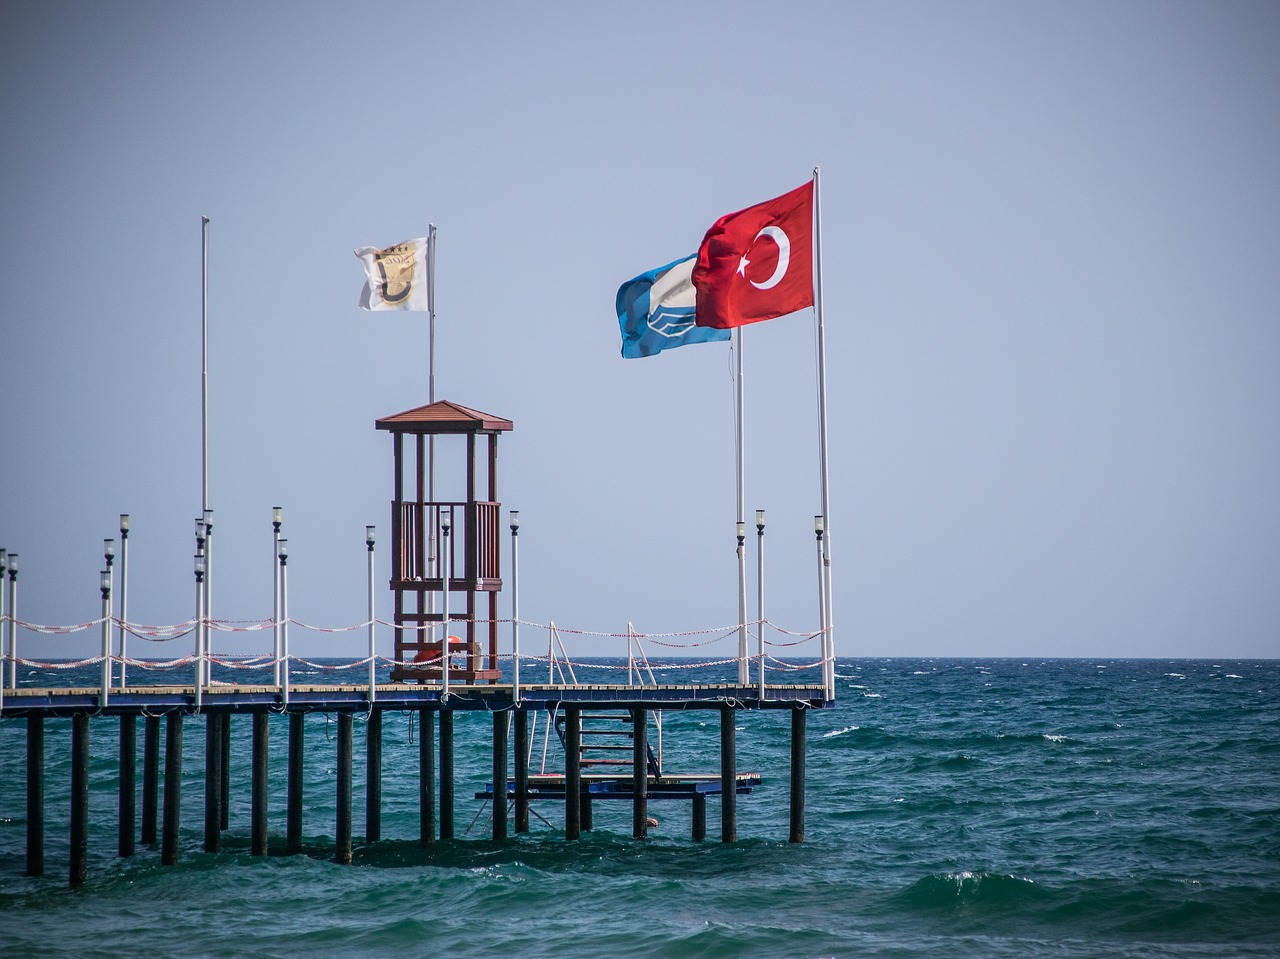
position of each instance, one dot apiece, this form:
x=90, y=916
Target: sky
x=1050, y=237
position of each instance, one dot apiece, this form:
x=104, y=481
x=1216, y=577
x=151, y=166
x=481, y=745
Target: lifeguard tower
x=432, y=539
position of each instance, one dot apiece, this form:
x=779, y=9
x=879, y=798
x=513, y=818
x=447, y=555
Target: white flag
x=395, y=278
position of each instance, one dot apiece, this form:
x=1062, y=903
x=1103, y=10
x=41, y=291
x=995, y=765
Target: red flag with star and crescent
x=757, y=264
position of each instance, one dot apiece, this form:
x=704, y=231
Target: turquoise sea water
x=956, y=808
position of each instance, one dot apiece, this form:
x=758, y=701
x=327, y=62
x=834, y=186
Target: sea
x=955, y=808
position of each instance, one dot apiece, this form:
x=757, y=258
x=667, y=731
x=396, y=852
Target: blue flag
x=656, y=311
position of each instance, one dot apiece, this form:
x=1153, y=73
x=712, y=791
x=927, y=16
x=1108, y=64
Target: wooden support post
x=172, y=789
x=150, y=778
x=500, y=776
x=224, y=770
x=128, y=783
x=79, y=798
x=212, y=782
x=426, y=777
x=728, y=777
x=639, y=773
x=572, y=772
x=293, y=813
x=373, y=777
x=699, y=817
x=446, y=773
x=343, y=831
x=797, y=773
x=35, y=795
x=522, y=770
x=585, y=809
x=258, y=800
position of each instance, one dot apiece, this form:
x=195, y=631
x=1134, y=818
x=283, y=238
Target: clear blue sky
x=1052, y=238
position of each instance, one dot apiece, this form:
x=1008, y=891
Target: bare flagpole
x=829, y=646
x=204, y=363
x=431, y=398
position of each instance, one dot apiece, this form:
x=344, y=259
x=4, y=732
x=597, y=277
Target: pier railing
x=622, y=660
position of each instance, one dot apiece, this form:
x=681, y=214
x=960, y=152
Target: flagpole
x=204, y=363
x=829, y=647
x=740, y=417
x=431, y=440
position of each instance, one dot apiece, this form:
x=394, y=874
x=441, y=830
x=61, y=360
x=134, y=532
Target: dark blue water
x=956, y=808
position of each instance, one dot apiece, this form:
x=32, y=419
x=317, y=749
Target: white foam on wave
x=1055, y=737
x=1232, y=676
x=840, y=732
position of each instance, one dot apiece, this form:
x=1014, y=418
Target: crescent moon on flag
x=784, y=257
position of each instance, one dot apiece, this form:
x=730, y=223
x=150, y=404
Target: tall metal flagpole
x=744, y=675
x=829, y=646
x=204, y=363
x=431, y=398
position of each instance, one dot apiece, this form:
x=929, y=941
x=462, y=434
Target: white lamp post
x=124, y=597
x=277, y=517
x=373, y=651
x=104, y=583
x=760, y=595
x=283, y=554
x=446, y=520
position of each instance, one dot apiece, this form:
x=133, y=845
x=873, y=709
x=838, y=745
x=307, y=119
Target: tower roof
x=443, y=416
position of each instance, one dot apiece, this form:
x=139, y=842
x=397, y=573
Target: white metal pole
x=277, y=514
x=739, y=419
x=199, y=632
x=124, y=598
x=760, y=595
x=444, y=616
x=829, y=673
x=284, y=621
x=373, y=649
x=109, y=554
x=819, y=523
x=515, y=606
x=208, y=595
x=204, y=363
x=106, y=637
x=13, y=620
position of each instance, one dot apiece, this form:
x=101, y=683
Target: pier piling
x=499, y=776
x=572, y=772
x=150, y=778
x=373, y=777
x=728, y=777
x=797, y=774
x=343, y=831
x=35, y=795
x=699, y=827
x=79, y=798
x=212, y=782
x=293, y=813
x=639, y=773
x=258, y=800
x=521, y=751
x=172, y=789
x=224, y=770
x=128, y=782
x=446, y=774
x=426, y=777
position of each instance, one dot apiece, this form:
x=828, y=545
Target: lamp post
x=760, y=595
x=819, y=529
x=373, y=651
x=13, y=620
x=109, y=555
x=124, y=596
x=208, y=590
x=283, y=667
x=104, y=583
x=743, y=673
x=446, y=520
x=515, y=606
x=200, y=571
x=277, y=517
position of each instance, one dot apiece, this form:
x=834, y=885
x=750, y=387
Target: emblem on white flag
x=395, y=278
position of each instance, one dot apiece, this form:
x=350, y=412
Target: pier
x=442, y=551
x=166, y=711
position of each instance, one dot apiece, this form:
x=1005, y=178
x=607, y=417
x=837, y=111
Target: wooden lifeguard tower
x=422, y=553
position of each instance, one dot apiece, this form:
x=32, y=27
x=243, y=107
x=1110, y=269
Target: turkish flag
x=757, y=263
